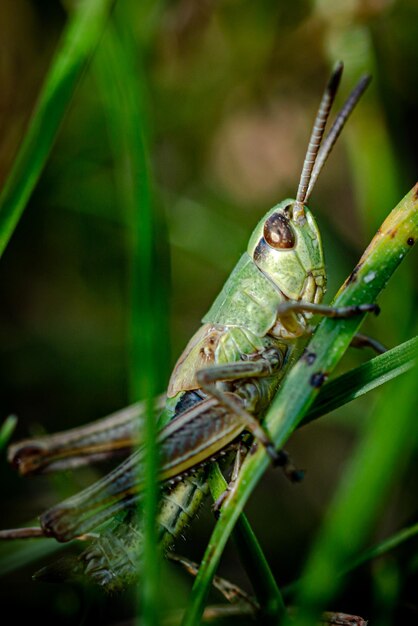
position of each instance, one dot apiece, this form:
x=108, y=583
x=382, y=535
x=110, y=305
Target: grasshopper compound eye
x=278, y=233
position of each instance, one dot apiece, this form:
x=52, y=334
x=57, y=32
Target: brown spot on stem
x=353, y=276
x=318, y=379
x=415, y=192
x=410, y=241
x=309, y=357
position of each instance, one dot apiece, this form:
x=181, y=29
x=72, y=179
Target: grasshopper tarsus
x=364, y=341
x=284, y=461
x=297, y=476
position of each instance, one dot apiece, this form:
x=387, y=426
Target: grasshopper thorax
x=286, y=247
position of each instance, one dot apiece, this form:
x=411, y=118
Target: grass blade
x=80, y=38
x=117, y=73
x=384, y=547
x=20, y=553
x=381, y=453
x=387, y=249
x=6, y=430
x=363, y=379
x=252, y=557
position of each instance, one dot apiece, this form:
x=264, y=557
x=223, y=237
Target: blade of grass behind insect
x=371, y=155
x=373, y=162
x=252, y=557
x=383, y=547
x=19, y=553
x=79, y=40
x=301, y=386
x=118, y=77
x=6, y=430
x=376, y=551
x=363, y=379
x=386, y=444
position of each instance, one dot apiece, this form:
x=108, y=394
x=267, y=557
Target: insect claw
x=296, y=476
x=276, y=457
x=280, y=459
x=284, y=461
x=216, y=510
x=368, y=308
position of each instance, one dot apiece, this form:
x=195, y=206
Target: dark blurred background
x=231, y=89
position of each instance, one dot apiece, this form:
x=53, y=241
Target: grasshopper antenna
x=335, y=130
x=318, y=131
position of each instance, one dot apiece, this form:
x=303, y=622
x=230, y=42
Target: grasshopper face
x=286, y=246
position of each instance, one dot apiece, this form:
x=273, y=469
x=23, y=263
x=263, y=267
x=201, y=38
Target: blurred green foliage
x=229, y=91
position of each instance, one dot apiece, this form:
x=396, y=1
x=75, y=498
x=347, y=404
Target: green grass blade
x=20, y=553
x=80, y=38
x=363, y=379
x=383, y=547
x=379, y=457
x=299, y=389
x=374, y=552
x=118, y=78
x=252, y=557
x=6, y=430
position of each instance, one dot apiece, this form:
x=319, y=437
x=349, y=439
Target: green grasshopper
x=218, y=392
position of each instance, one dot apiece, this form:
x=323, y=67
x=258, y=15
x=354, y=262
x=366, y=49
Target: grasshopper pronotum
x=219, y=389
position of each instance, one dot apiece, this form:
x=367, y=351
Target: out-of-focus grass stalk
x=372, y=162
x=119, y=81
x=387, y=441
x=79, y=40
x=383, y=547
x=376, y=551
x=301, y=386
x=374, y=166
x=7, y=429
x=21, y=552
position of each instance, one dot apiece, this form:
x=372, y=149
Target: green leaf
x=382, y=452
x=80, y=38
x=122, y=91
x=7, y=429
x=363, y=379
x=383, y=547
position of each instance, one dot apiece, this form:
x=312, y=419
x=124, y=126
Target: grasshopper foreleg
x=264, y=366
x=293, y=306
x=364, y=341
x=358, y=341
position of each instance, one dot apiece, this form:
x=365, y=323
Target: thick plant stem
x=117, y=67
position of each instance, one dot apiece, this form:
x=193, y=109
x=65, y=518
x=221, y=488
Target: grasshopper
x=219, y=390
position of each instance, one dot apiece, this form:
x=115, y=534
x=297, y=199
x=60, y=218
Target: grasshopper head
x=286, y=247
x=286, y=244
